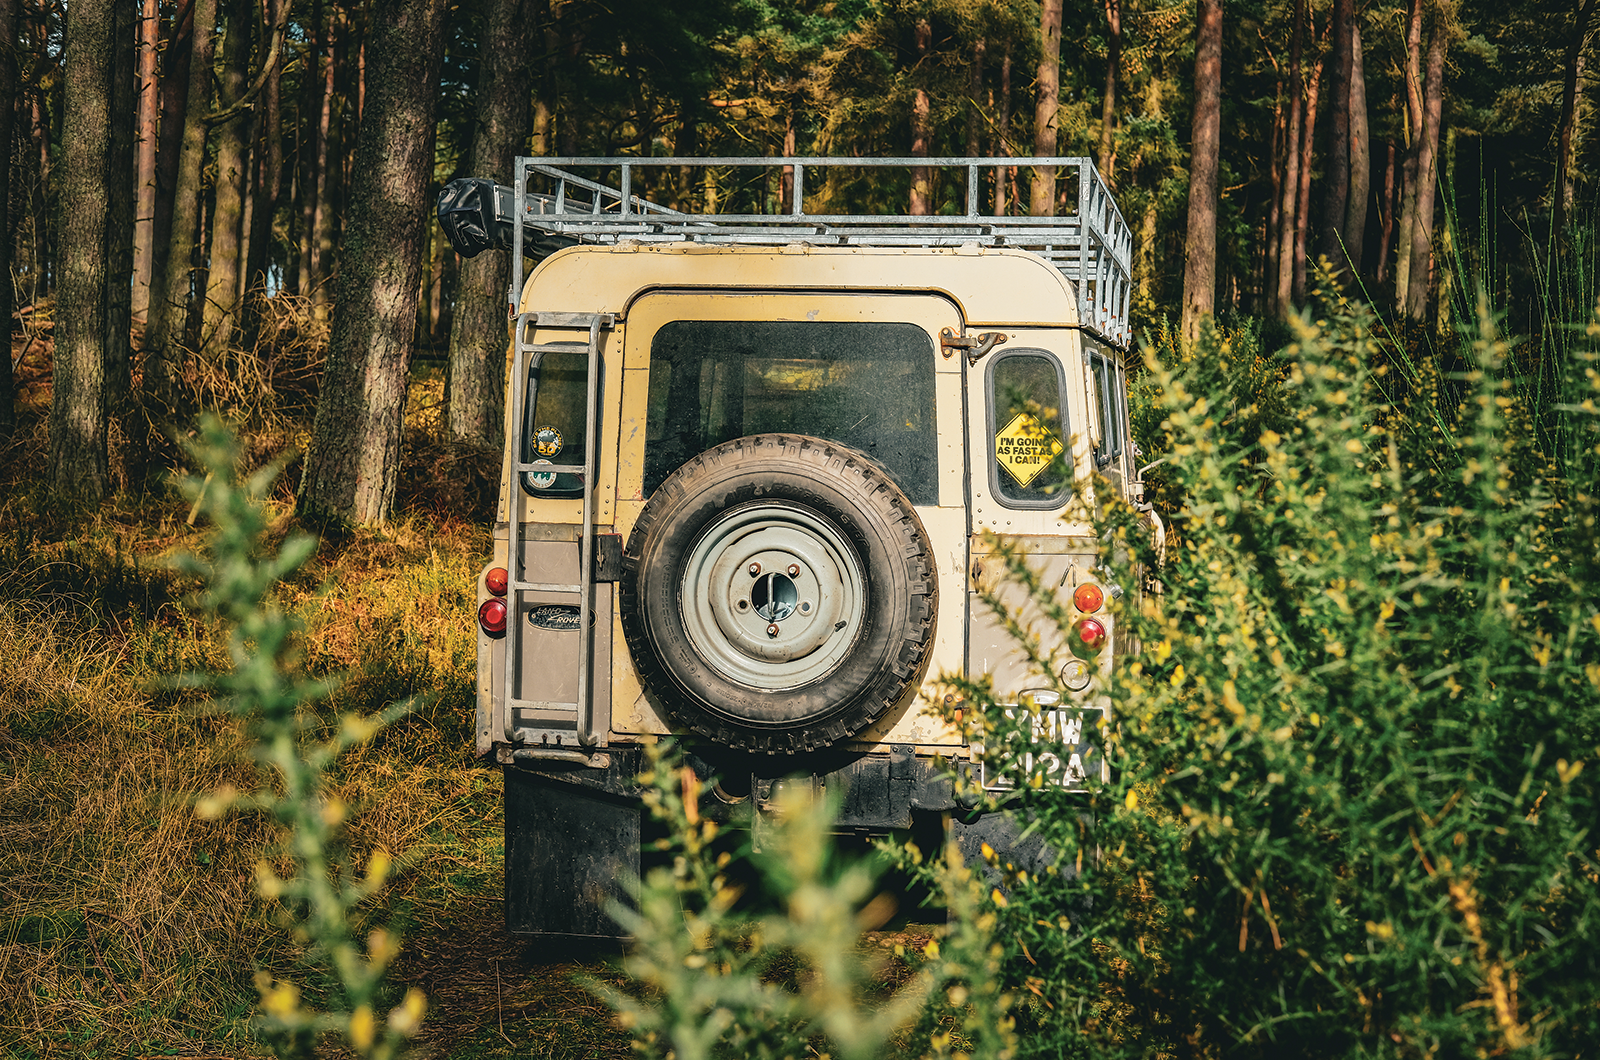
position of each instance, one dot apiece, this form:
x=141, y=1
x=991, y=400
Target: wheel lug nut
x=794, y=570
x=755, y=568
x=772, y=630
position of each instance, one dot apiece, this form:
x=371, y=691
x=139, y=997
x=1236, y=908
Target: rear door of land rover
x=701, y=367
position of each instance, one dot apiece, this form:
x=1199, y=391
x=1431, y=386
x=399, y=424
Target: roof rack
x=1091, y=246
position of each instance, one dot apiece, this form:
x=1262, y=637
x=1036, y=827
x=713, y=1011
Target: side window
x=553, y=420
x=1029, y=463
x=1108, y=405
x=866, y=385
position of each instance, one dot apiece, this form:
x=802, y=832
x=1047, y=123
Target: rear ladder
x=557, y=729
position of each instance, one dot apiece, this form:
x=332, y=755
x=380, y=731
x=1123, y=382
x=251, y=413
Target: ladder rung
x=540, y=704
x=554, y=347
x=545, y=587
x=572, y=320
x=552, y=469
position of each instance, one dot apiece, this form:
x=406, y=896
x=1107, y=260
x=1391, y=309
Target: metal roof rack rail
x=1091, y=245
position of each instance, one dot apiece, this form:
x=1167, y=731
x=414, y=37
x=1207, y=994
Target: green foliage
x=722, y=980
x=1349, y=811
x=321, y=892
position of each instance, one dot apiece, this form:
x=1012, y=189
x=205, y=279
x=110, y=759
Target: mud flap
x=572, y=844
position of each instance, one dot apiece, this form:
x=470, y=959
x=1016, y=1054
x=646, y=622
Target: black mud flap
x=573, y=837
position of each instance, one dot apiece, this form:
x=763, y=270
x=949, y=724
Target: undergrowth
x=126, y=923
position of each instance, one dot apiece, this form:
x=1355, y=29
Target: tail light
x=492, y=617
x=1088, y=637
x=1088, y=598
x=496, y=581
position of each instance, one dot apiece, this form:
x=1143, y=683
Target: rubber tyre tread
x=857, y=496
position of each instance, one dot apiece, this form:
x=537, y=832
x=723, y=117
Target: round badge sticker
x=541, y=482
x=547, y=441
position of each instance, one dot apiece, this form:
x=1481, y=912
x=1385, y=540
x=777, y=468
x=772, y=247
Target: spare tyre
x=778, y=593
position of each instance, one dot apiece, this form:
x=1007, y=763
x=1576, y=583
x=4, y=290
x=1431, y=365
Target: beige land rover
x=754, y=462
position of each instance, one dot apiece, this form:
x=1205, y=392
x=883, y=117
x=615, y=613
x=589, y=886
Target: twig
x=499, y=1008
x=95, y=949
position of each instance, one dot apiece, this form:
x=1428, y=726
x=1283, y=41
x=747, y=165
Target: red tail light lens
x=1088, y=598
x=496, y=581
x=492, y=617
x=1088, y=637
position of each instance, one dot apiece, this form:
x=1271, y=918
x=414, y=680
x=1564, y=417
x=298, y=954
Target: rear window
x=867, y=385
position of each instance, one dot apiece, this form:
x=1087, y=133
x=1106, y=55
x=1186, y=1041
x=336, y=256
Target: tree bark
x=1355, y=217
x=1572, y=66
x=78, y=417
x=1200, y=250
x=352, y=466
x=1290, y=190
x=1427, y=168
x=921, y=123
x=1302, y=209
x=1043, y=200
x=169, y=288
x=1336, y=179
x=149, y=37
x=1108, y=106
x=479, y=332
x=8, y=107
x=232, y=180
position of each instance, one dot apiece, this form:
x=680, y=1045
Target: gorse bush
x=322, y=891
x=723, y=979
x=1353, y=792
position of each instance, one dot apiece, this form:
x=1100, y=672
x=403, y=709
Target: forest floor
x=129, y=926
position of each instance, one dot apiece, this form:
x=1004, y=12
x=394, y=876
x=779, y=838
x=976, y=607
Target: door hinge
x=976, y=346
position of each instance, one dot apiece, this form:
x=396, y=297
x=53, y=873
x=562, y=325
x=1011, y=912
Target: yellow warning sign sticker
x=1025, y=447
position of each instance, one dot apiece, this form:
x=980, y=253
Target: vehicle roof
x=991, y=286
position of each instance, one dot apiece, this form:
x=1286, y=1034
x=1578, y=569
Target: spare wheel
x=778, y=593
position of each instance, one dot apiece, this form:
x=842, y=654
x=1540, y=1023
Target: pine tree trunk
x=1408, y=174
x=921, y=124
x=1108, y=105
x=1269, y=253
x=322, y=220
x=1355, y=217
x=1427, y=171
x=177, y=47
x=1002, y=137
x=1573, y=69
x=478, y=332
x=1336, y=170
x=169, y=289
x=8, y=106
x=974, y=93
x=352, y=466
x=269, y=185
x=1290, y=189
x=149, y=38
x=1386, y=216
x=1042, y=203
x=233, y=173
x=1200, y=250
x=78, y=417
x=1302, y=209
x=120, y=270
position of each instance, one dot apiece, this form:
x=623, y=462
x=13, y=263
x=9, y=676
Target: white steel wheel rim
x=773, y=596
